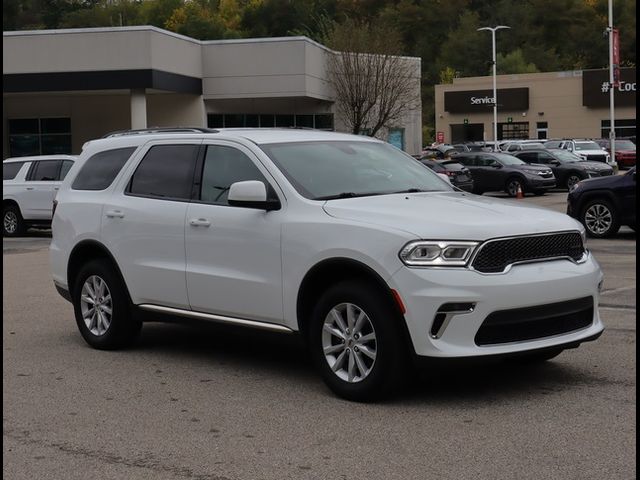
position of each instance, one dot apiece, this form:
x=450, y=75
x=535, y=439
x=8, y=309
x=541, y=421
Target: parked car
x=29, y=185
x=604, y=204
x=494, y=172
x=568, y=168
x=371, y=257
x=471, y=147
x=458, y=174
x=440, y=151
x=587, y=149
x=625, y=151
x=511, y=147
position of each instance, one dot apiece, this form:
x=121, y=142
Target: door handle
x=114, y=214
x=56, y=188
x=29, y=188
x=199, y=222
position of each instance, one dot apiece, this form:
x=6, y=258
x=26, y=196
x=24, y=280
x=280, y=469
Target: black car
x=494, y=172
x=568, y=168
x=603, y=204
x=458, y=174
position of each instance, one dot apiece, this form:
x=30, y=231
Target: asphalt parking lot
x=221, y=404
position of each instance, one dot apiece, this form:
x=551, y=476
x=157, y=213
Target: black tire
x=389, y=369
x=511, y=186
x=609, y=215
x=124, y=327
x=12, y=222
x=539, y=357
x=572, y=179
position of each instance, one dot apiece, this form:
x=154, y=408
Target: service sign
x=481, y=101
x=595, y=88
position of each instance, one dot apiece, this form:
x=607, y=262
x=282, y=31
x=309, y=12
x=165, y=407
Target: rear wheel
x=600, y=219
x=512, y=186
x=356, y=342
x=12, y=221
x=102, y=307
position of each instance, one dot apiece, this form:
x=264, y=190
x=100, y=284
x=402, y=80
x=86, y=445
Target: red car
x=625, y=152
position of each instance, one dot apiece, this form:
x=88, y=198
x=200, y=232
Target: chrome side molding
x=216, y=318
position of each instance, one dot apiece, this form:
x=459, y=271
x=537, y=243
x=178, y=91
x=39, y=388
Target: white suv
x=29, y=185
x=585, y=149
x=367, y=253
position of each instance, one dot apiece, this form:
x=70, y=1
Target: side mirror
x=554, y=162
x=251, y=194
x=496, y=165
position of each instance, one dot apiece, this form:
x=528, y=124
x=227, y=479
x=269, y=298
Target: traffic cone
x=519, y=193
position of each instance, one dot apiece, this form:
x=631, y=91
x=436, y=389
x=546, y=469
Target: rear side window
x=45, y=171
x=166, y=171
x=99, y=171
x=10, y=170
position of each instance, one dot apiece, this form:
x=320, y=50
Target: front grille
x=530, y=323
x=495, y=256
x=596, y=158
x=606, y=173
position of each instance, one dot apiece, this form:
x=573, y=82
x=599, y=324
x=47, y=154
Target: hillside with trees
x=545, y=35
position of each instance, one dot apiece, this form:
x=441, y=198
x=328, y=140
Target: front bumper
x=425, y=290
x=541, y=183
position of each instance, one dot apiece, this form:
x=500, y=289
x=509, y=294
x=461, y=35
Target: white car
x=585, y=149
x=371, y=256
x=29, y=185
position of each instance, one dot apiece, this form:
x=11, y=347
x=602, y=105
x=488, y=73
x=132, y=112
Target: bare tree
x=373, y=84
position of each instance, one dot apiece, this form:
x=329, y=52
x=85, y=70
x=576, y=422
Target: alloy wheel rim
x=572, y=181
x=349, y=342
x=96, y=305
x=10, y=222
x=513, y=187
x=598, y=219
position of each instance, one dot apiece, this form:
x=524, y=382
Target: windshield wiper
x=412, y=190
x=347, y=195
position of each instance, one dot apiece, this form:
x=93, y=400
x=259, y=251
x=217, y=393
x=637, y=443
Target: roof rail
x=151, y=130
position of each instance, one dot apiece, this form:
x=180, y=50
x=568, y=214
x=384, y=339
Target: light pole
x=612, y=86
x=495, y=93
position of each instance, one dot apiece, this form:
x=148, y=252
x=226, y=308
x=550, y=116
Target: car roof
x=36, y=158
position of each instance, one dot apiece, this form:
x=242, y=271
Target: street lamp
x=495, y=93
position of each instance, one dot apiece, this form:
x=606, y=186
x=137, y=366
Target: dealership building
x=62, y=88
x=573, y=104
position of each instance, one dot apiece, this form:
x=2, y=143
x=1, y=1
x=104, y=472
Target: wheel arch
x=324, y=274
x=88, y=250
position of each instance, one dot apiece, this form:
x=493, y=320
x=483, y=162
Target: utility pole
x=612, y=85
x=495, y=91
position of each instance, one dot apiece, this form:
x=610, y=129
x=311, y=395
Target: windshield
x=625, y=145
x=567, y=157
x=587, y=146
x=341, y=169
x=505, y=159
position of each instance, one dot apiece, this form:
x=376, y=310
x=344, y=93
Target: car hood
x=593, y=165
x=451, y=215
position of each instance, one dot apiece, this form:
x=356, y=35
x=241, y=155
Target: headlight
x=437, y=253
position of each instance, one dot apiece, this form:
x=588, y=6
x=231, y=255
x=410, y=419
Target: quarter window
x=166, y=171
x=101, y=169
x=66, y=166
x=224, y=166
x=10, y=170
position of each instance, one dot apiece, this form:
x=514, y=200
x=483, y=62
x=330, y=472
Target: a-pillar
x=138, y=109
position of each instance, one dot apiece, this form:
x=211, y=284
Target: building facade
x=573, y=104
x=62, y=88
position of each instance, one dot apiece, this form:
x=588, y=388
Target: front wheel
x=102, y=307
x=600, y=219
x=572, y=180
x=356, y=342
x=513, y=185
x=12, y=222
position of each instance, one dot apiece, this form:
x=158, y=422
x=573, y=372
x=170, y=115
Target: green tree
x=513, y=62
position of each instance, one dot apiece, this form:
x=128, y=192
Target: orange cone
x=519, y=193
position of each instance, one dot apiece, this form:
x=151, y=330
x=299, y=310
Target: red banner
x=440, y=137
x=615, y=43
